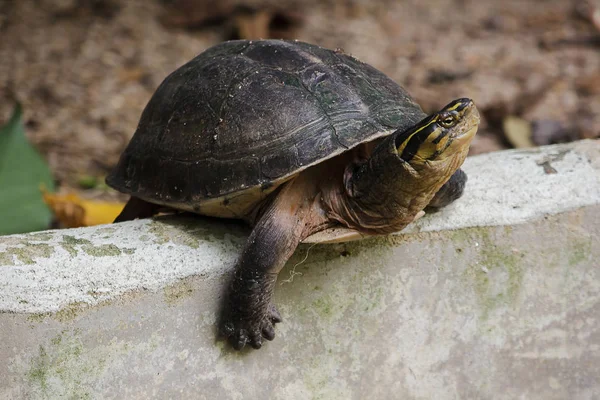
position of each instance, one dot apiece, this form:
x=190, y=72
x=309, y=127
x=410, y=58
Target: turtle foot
x=250, y=328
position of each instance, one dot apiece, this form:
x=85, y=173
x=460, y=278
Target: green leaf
x=87, y=181
x=22, y=171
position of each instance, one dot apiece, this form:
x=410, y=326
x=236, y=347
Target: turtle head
x=441, y=137
x=407, y=169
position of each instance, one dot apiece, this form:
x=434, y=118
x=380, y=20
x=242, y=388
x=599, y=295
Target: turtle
x=303, y=143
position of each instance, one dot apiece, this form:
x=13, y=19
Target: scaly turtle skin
x=299, y=141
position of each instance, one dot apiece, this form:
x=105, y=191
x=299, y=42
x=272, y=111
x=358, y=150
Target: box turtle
x=303, y=143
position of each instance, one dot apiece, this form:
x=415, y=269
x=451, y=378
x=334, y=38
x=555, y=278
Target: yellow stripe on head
x=432, y=136
x=404, y=139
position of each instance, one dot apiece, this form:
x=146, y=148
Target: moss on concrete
x=323, y=306
x=190, y=231
x=25, y=253
x=61, y=369
x=65, y=314
x=6, y=258
x=175, y=293
x=107, y=230
x=41, y=236
x=494, y=272
x=37, y=317
x=38, y=374
x=70, y=312
x=70, y=243
x=102, y=250
x=579, y=250
x=73, y=245
x=25, y=250
x=310, y=253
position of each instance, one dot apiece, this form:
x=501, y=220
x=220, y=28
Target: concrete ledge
x=497, y=296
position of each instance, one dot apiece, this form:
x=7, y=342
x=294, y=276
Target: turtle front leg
x=248, y=315
x=450, y=191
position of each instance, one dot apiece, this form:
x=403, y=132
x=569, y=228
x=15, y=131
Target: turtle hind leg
x=137, y=208
x=451, y=191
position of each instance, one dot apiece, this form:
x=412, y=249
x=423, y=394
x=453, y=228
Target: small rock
x=544, y=132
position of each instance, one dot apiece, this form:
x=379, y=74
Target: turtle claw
x=239, y=341
x=256, y=340
x=242, y=331
x=268, y=332
x=274, y=314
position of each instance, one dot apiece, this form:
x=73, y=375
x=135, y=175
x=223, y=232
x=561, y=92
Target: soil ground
x=84, y=69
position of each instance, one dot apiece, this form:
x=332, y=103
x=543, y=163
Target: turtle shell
x=228, y=127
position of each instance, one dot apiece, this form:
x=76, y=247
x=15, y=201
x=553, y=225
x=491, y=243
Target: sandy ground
x=85, y=69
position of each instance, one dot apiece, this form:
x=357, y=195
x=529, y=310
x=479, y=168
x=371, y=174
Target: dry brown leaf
x=73, y=212
x=589, y=11
x=253, y=26
x=131, y=74
x=518, y=132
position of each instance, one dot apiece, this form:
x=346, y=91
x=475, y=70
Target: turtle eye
x=448, y=121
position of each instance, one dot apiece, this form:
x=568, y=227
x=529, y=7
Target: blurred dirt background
x=84, y=69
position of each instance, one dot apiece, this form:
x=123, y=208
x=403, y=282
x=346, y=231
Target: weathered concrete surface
x=507, y=306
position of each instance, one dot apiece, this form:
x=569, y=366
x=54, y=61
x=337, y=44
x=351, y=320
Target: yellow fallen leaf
x=74, y=212
x=518, y=132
